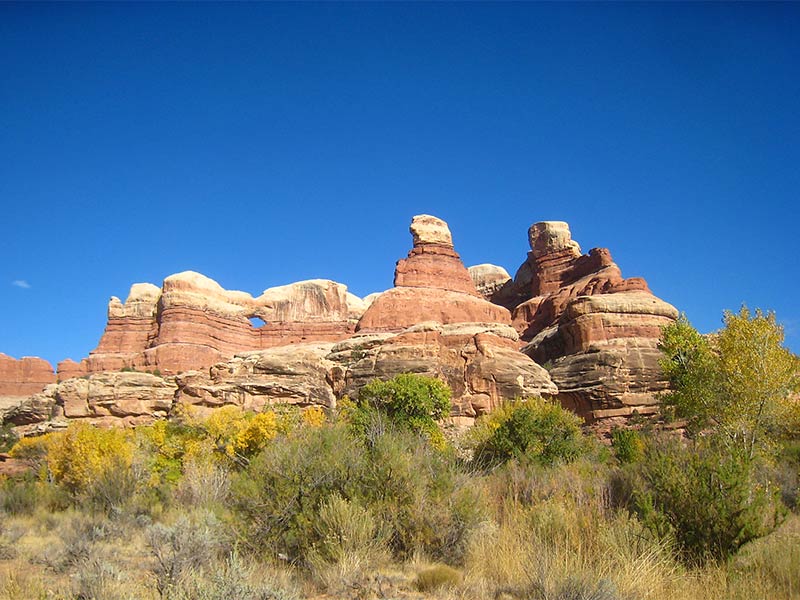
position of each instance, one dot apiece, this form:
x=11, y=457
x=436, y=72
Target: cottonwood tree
x=738, y=382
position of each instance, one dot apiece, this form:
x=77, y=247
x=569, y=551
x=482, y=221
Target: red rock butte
x=596, y=331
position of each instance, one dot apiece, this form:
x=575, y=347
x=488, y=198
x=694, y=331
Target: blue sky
x=262, y=144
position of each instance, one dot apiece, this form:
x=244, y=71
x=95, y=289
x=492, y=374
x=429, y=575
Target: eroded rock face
x=479, y=361
x=432, y=284
x=298, y=374
x=19, y=378
x=598, y=330
x=104, y=399
x=489, y=279
x=192, y=322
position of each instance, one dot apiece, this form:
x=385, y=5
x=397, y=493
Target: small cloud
x=21, y=283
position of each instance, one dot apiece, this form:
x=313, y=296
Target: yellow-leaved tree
x=739, y=382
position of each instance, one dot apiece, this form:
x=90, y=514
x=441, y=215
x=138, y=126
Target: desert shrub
x=628, y=445
x=33, y=450
x=279, y=495
x=8, y=437
x=192, y=541
x=706, y=496
x=414, y=491
x=408, y=401
x=437, y=576
x=204, y=483
x=238, y=434
x=314, y=416
x=95, y=578
x=423, y=499
x=350, y=542
x=235, y=579
x=533, y=429
x=19, y=496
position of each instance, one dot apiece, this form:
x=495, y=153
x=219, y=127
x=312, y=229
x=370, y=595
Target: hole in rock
x=257, y=322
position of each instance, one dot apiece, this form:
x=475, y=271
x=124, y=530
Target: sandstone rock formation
x=23, y=377
x=597, y=330
x=432, y=284
x=111, y=398
x=480, y=362
x=298, y=374
x=191, y=322
x=489, y=279
x=19, y=380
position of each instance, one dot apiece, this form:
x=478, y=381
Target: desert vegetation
x=377, y=499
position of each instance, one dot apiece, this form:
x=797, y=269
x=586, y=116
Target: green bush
x=708, y=498
x=628, y=445
x=279, y=496
x=532, y=429
x=415, y=492
x=409, y=401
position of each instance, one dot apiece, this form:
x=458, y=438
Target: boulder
x=489, y=279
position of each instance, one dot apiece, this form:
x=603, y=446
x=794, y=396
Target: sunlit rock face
x=431, y=285
x=595, y=330
x=191, y=322
x=190, y=341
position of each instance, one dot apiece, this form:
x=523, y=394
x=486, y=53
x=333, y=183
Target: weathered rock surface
x=298, y=374
x=479, y=361
x=489, y=279
x=314, y=342
x=191, y=322
x=432, y=284
x=127, y=398
x=23, y=377
x=598, y=330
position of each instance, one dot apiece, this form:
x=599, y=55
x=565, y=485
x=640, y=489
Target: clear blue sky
x=262, y=144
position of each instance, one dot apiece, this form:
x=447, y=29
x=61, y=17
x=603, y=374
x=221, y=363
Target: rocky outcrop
x=127, y=398
x=432, y=284
x=298, y=374
x=312, y=342
x=480, y=362
x=23, y=377
x=191, y=322
x=489, y=279
x=597, y=330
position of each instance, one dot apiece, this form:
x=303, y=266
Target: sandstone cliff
x=192, y=322
x=597, y=331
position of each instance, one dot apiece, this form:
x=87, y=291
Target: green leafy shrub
x=532, y=429
x=409, y=402
x=708, y=498
x=628, y=445
x=279, y=496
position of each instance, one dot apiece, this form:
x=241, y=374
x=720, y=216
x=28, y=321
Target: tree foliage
x=708, y=498
x=532, y=429
x=408, y=402
x=738, y=381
